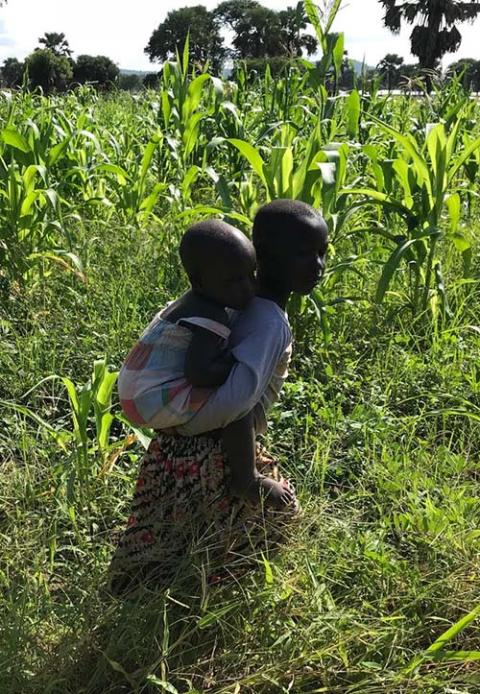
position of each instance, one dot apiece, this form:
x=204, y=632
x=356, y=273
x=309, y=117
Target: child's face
x=230, y=281
x=305, y=256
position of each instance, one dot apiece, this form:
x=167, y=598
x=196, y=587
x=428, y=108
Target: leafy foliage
x=57, y=43
x=12, y=72
x=202, y=28
x=48, y=70
x=390, y=69
x=98, y=70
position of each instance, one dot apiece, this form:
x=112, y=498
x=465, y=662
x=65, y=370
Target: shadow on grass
x=156, y=632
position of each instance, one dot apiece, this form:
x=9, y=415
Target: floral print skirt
x=182, y=508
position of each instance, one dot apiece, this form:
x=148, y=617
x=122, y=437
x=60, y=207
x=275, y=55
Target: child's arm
x=207, y=365
x=256, y=356
x=238, y=440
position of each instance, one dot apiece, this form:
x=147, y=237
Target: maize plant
x=421, y=183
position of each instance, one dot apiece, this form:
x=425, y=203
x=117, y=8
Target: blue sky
x=121, y=28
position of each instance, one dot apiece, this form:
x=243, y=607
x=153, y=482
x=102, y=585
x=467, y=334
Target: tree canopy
x=293, y=24
x=48, y=70
x=435, y=32
x=203, y=29
x=259, y=33
x=55, y=42
x=97, y=69
x=390, y=69
x=12, y=73
x=469, y=71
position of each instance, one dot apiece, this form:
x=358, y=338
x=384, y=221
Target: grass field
x=379, y=424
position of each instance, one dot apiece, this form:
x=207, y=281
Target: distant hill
x=140, y=73
x=359, y=66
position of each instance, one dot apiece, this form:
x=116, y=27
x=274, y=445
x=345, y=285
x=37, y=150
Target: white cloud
x=120, y=29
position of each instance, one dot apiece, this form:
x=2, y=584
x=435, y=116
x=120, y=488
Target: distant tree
x=436, y=22
x=258, y=34
x=390, y=70
x=469, y=69
x=57, y=43
x=293, y=23
x=12, y=72
x=131, y=82
x=347, y=73
x=97, y=69
x=48, y=70
x=261, y=33
x=230, y=12
x=203, y=29
x=152, y=80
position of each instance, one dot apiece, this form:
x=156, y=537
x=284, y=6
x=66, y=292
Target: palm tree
x=57, y=43
x=389, y=68
x=436, y=22
x=293, y=22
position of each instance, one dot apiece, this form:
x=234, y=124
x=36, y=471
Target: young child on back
x=183, y=355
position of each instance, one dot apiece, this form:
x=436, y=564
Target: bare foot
x=265, y=490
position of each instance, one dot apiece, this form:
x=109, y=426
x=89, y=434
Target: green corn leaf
x=327, y=169
x=390, y=268
x=338, y=52
x=410, y=147
x=190, y=177
x=314, y=18
x=195, y=93
x=461, y=243
x=186, y=56
x=148, y=155
x=29, y=201
x=464, y=157
x=56, y=151
x=401, y=168
x=166, y=108
x=333, y=9
x=52, y=197
x=454, y=210
x=382, y=198
x=353, y=106
x=149, y=202
x=436, y=144
x=120, y=173
x=252, y=155
x=103, y=430
x=15, y=139
x=31, y=173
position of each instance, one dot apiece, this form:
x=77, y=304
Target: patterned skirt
x=182, y=510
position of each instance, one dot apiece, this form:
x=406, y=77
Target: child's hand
x=264, y=490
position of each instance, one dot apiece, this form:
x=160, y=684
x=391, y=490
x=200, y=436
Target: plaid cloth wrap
x=152, y=387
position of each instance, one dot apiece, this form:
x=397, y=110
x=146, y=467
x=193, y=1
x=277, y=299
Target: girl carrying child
x=203, y=376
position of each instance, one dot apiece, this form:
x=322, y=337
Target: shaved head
x=282, y=218
x=209, y=242
x=220, y=262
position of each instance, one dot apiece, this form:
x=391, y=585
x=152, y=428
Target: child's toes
x=288, y=498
